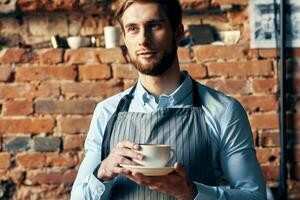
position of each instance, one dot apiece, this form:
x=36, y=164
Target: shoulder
x=108, y=106
x=221, y=111
x=216, y=102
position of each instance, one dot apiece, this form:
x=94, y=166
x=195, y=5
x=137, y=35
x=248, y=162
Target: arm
x=95, y=177
x=87, y=186
x=238, y=161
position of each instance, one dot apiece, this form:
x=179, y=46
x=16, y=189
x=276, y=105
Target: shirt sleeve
x=87, y=186
x=238, y=161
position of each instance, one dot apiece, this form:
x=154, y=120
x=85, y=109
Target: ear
x=179, y=34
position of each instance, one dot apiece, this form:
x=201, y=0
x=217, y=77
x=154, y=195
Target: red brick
x=76, y=56
x=74, y=142
x=220, y=22
x=45, y=73
x=231, y=86
x=17, y=107
x=268, y=155
x=94, y=72
x=58, y=5
x=5, y=73
x=293, y=52
x=268, y=53
x=238, y=18
x=51, y=177
x=292, y=121
x=102, y=89
x=50, y=192
x=89, y=26
x=34, y=125
x=74, y=125
x=17, y=176
x=195, y=70
x=229, y=2
x=184, y=55
x=268, y=85
x=294, y=154
x=65, y=107
x=270, y=172
x=293, y=189
x=114, y=55
x=297, y=106
x=249, y=68
x=259, y=103
x=203, y=52
x=61, y=159
x=194, y=4
x=293, y=85
x=47, y=89
x=31, y=160
x=16, y=91
x=51, y=56
x=14, y=56
x=296, y=172
x=126, y=71
x=264, y=121
x=293, y=137
x=269, y=139
x=252, y=54
x=5, y=160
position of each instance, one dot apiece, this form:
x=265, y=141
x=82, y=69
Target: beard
x=159, y=65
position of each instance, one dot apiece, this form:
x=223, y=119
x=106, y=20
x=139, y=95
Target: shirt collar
x=176, y=96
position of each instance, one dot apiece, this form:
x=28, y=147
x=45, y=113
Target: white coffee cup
x=155, y=155
x=111, y=36
x=75, y=42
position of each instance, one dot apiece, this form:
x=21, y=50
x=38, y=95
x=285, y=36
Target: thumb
x=179, y=169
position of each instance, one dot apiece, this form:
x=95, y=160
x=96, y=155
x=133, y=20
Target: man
x=209, y=131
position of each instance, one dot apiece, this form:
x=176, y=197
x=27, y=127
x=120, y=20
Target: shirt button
x=100, y=189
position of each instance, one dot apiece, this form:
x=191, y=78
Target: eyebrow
x=148, y=22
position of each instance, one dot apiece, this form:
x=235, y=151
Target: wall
x=47, y=96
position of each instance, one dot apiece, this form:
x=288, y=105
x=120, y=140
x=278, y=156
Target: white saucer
x=149, y=171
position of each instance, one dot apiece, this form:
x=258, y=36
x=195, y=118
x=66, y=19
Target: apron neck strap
x=196, y=96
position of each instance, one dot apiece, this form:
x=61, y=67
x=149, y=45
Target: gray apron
x=182, y=128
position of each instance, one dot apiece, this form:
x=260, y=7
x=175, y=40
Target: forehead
x=143, y=12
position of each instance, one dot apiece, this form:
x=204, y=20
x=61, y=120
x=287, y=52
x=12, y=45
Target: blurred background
x=50, y=83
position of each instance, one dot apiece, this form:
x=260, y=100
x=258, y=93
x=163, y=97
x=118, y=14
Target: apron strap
x=196, y=96
x=123, y=105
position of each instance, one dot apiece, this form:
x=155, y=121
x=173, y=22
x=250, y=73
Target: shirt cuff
x=102, y=189
x=205, y=192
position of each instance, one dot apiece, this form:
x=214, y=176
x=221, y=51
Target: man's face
x=149, y=38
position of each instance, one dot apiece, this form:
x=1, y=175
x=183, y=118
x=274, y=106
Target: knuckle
x=122, y=160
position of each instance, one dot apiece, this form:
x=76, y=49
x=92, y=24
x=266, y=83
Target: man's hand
x=175, y=184
x=123, y=153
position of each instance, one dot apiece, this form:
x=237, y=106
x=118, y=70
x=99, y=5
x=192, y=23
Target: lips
x=147, y=54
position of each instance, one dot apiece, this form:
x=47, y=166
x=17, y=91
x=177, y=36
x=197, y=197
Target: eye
x=155, y=25
x=132, y=29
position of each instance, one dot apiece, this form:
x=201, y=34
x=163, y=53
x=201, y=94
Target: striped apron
x=182, y=128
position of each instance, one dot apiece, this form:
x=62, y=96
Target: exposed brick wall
x=47, y=96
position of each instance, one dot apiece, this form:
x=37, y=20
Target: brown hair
x=172, y=9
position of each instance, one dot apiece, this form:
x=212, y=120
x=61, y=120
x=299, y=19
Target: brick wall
x=47, y=96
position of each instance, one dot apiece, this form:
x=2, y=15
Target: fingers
x=129, y=153
x=180, y=170
x=128, y=144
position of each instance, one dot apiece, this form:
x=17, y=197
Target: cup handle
x=172, y=154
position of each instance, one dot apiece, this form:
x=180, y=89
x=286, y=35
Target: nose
x=145, y=36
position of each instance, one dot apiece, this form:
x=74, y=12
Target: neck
x=165, y=83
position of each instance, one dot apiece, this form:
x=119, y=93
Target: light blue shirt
x=232, y=144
